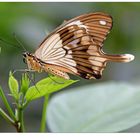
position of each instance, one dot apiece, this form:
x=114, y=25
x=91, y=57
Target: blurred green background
x=31, y=22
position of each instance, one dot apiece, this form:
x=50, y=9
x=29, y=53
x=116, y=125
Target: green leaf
x=25, y=82
x=107, y=107
x=47, y=86
x=13, y=86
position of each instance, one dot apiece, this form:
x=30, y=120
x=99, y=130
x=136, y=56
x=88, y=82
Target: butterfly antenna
x=21, y=45
x=7, y=42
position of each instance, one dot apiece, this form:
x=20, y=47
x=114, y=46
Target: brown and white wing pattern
x=76, y=47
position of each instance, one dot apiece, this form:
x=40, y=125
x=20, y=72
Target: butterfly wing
x=77, y=46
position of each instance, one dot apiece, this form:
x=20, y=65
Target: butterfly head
x=32, y=62
x=25, y=56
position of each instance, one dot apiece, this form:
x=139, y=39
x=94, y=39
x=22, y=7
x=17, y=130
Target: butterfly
x=76, y=47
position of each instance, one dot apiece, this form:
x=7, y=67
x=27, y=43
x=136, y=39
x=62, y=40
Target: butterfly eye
x=24, y=60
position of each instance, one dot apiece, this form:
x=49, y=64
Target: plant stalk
x=7, y=104
x=21, y=121
x=6, y=117
x=44, y=112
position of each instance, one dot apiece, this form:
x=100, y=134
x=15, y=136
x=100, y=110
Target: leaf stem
x=6, y=117
x=7, y=104
x=44, y=112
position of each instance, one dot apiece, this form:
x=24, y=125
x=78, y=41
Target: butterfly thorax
x=33, y=63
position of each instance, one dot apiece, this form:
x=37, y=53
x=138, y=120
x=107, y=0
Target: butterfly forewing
x=76, y=46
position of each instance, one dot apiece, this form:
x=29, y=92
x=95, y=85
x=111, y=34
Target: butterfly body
x=39, y=66
x=76, y=47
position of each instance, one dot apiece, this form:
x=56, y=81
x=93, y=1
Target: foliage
x=106, y=107
x=46, y=87
x=23, y=94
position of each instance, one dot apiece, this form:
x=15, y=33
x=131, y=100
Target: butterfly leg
x=23, y=70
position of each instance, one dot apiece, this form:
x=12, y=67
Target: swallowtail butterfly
x=76, y=47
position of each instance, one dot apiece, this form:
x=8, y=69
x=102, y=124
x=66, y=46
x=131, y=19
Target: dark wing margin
x=98, y=24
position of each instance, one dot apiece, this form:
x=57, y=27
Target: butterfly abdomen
x=54, y=71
